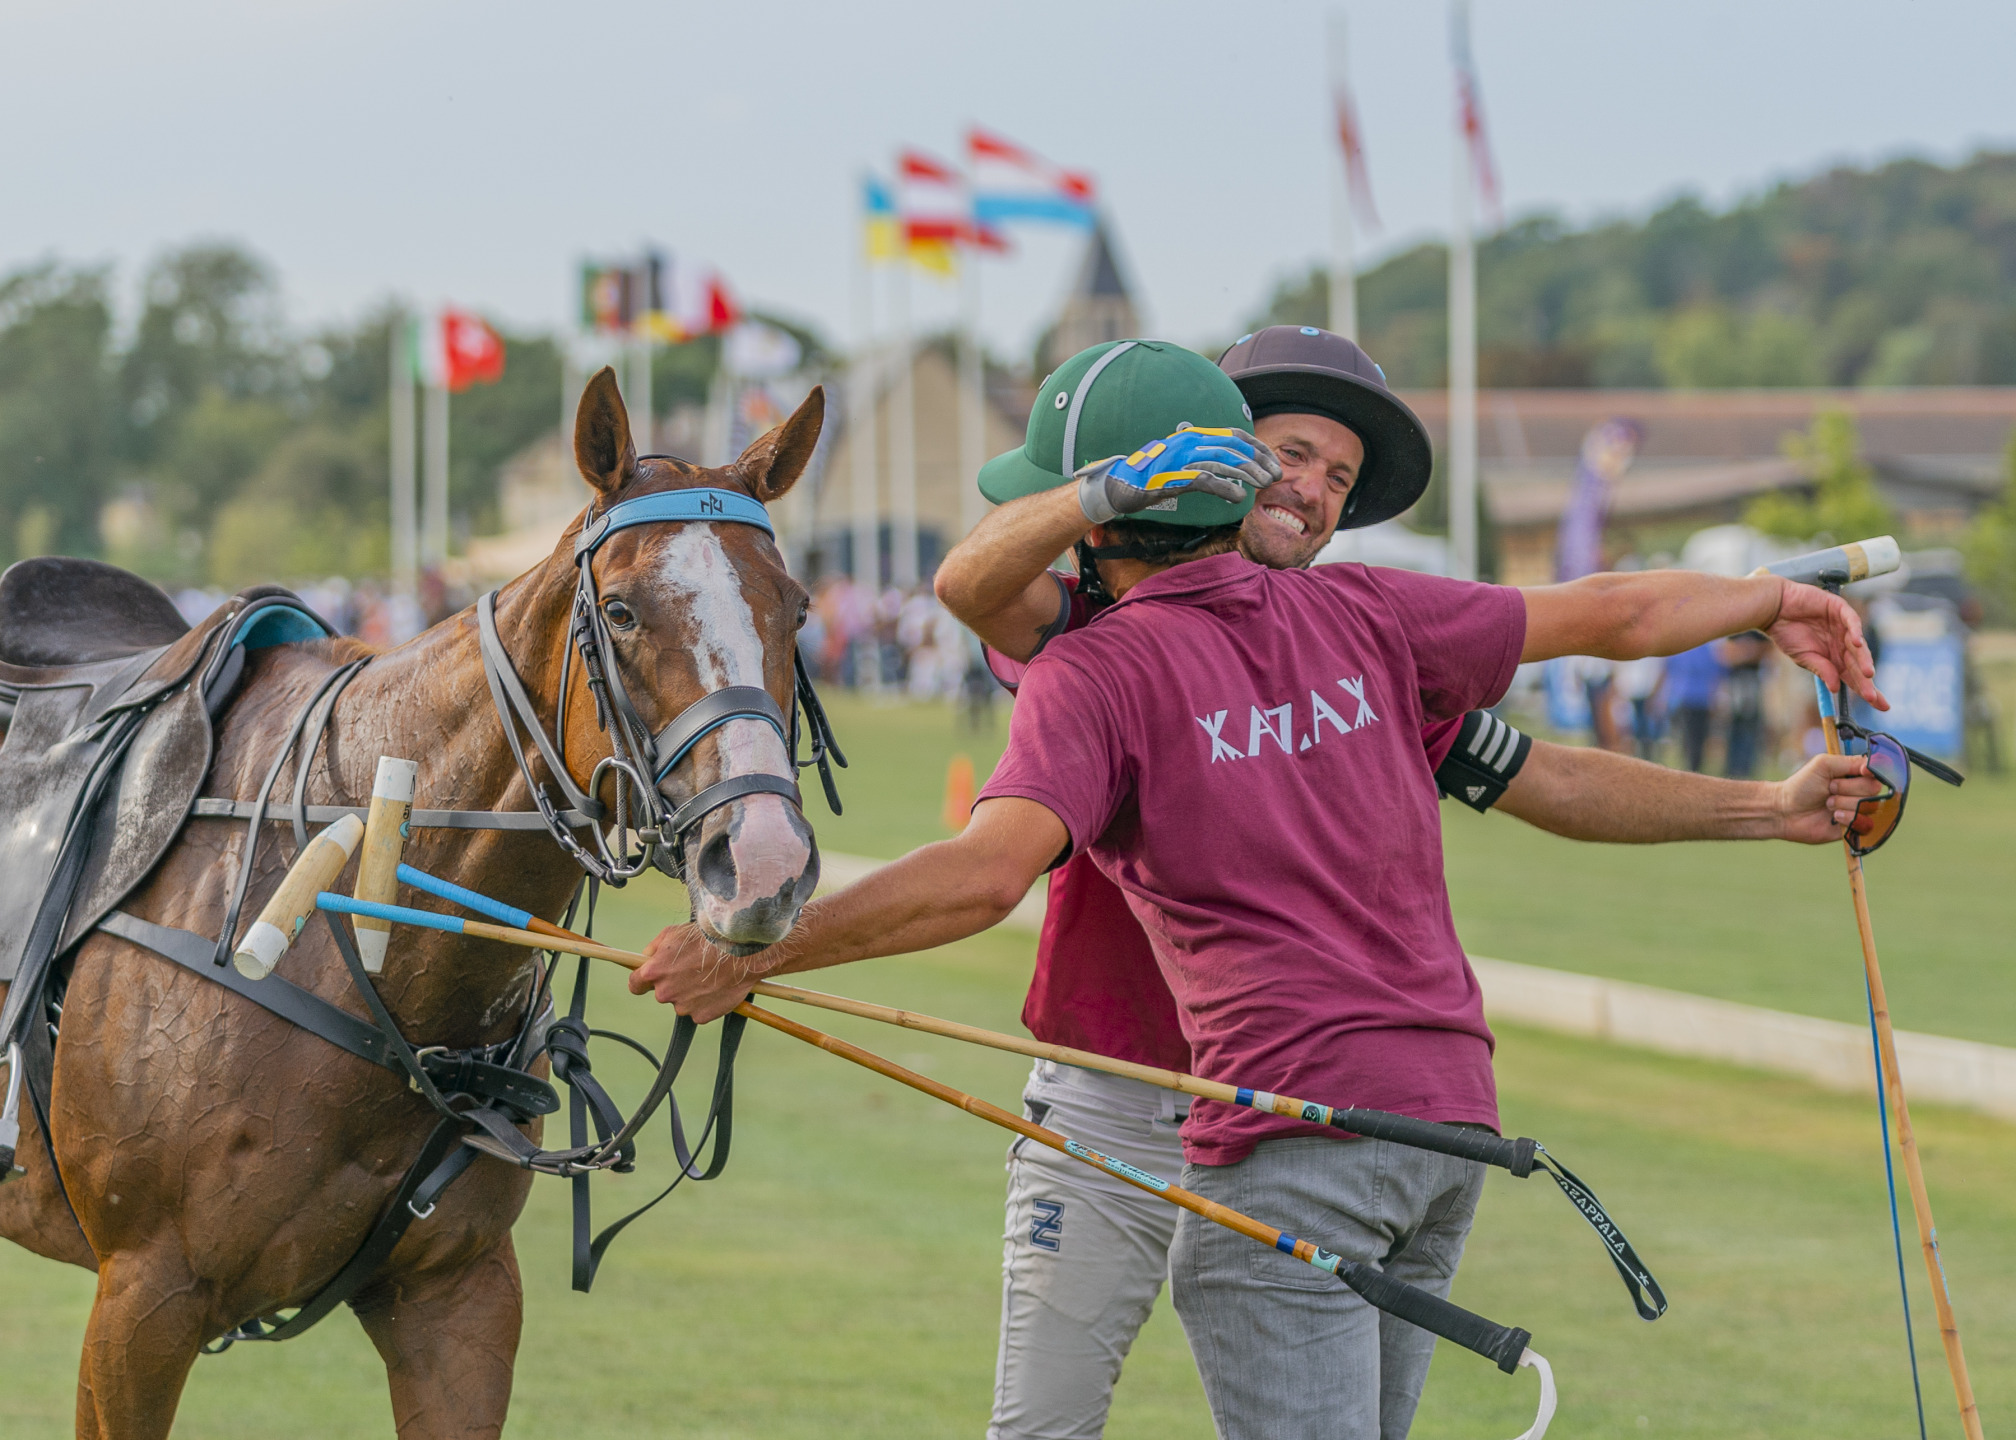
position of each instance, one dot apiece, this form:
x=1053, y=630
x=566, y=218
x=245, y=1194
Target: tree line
x=1904, y=274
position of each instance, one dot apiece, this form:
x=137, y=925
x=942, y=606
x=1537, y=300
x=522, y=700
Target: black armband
x=1482, y=762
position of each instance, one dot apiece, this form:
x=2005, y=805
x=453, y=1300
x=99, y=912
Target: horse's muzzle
x=751, y=867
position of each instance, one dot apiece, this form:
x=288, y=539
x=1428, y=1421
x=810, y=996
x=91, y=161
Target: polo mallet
x=279, y=924
x=1830, y=570
x=1505, y=1346
x=385, y=835
x=1502, y=1345
x=1519, y=1156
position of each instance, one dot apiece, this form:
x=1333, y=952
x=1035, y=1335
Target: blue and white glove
x=1214, y=462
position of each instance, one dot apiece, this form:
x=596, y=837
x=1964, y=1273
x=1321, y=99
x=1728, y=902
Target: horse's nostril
x=717, y=865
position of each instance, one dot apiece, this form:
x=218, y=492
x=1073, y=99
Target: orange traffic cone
x=958, y=793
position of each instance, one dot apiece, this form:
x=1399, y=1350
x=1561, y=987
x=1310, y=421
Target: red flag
x=1351, y=139
x=916, y=165
x=473, y=353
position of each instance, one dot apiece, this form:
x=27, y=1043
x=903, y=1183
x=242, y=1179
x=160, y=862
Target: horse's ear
x=603, y=449
x=775, y=459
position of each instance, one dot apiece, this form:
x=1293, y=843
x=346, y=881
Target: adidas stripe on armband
x=1482, y=762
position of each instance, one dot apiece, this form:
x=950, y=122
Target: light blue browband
x=729, y=506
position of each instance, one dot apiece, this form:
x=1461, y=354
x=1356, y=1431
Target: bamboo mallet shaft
x=1892, y=1080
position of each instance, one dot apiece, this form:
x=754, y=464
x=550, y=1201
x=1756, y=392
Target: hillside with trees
x=1900, y=275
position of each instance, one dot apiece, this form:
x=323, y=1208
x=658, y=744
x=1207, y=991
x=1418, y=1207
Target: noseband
x=638, y=759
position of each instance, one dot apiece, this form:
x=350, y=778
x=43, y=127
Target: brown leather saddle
x=109, y=698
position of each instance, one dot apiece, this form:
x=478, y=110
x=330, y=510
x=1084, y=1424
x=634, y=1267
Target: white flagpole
x=972, y=400
x=903, y=445
x=404, y=541
x=434, y=513
x=1343, y=262
x=638, y=402
x=862, y=459
x=1462, y=331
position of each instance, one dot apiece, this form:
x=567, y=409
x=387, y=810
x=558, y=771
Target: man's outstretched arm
x=932, y=896
x=1590, y=794
x=996, y=580
x=1662, y=612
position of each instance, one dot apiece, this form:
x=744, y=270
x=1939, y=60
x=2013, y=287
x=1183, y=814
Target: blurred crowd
x=896, y=641
x=364, y=608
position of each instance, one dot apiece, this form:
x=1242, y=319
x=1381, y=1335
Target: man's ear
x=774, y=460
x=603, y=450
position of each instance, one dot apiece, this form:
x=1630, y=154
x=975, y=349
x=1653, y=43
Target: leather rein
x=639, y=760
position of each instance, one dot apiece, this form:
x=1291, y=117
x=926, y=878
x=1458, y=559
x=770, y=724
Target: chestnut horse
x=224, y=1165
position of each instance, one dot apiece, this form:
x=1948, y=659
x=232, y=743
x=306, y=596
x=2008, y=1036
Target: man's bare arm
x=1589, y=794
x=932, y=896
x=1662, y=612
x=995, y=579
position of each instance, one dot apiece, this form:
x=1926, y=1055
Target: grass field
x=842, y=1278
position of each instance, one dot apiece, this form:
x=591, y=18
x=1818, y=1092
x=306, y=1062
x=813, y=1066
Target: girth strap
x=440, y=1161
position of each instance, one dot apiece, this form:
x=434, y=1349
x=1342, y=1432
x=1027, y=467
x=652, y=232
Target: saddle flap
x=59, y=610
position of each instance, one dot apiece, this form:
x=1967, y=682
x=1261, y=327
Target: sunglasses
x=1890, y=761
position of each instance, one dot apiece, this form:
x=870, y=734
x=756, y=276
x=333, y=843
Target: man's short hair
x=1135, y=539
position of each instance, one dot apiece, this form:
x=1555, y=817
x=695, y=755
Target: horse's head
x=691, y=608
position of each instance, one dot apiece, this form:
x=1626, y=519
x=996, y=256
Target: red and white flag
x=472, y=352
x=931, y=203
x=457, y=349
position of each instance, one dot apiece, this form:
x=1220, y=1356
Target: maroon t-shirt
x=1240, y=751
x=1096, y=986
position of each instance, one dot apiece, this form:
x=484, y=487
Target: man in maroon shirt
x=1239, y=750
x=1083, y=1254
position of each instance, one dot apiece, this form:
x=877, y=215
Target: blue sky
x=466, y=151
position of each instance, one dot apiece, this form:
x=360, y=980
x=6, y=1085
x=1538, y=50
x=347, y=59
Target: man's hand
x=1217, y=462
x=1823, y=634
x=686, y=972
x=1816, y=803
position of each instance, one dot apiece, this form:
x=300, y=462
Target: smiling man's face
x=1293, y=518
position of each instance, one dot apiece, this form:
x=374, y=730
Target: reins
x=481, y=1096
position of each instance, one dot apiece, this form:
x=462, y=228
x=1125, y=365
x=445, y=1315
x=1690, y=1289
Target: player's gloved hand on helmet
x=1214, y=462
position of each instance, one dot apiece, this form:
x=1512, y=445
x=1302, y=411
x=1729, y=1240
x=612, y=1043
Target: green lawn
x=842, y=1278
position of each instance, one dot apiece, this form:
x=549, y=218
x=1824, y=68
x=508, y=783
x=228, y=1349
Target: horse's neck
x=428, y=701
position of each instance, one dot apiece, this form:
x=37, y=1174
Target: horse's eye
x=804, y=609
x=619, y=614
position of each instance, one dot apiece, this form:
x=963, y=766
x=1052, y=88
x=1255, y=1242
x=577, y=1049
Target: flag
x=1470, y=115
x=472, y=353
x=656, y=297
x=883, y=238
x=1351, y=140
x=1607, y=452
x=608, y=297
x=456, y=349
x=1011, y=183
x=932, y=202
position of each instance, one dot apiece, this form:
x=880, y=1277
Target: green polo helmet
x=1111, y=400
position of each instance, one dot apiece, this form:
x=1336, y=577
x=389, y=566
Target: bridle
x=642, y=828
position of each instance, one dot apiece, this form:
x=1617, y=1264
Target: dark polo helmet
x=1303, y=370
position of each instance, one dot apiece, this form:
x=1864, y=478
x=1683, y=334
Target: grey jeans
x=1287, y=1352
x=1084, y=1255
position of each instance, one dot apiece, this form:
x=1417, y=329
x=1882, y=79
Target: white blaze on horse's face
x=751, y=863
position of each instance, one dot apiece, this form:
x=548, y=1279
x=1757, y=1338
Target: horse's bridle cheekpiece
x=641, y=817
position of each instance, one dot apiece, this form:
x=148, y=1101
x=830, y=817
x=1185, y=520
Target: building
x=1098, y=308
x=1937, y=455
